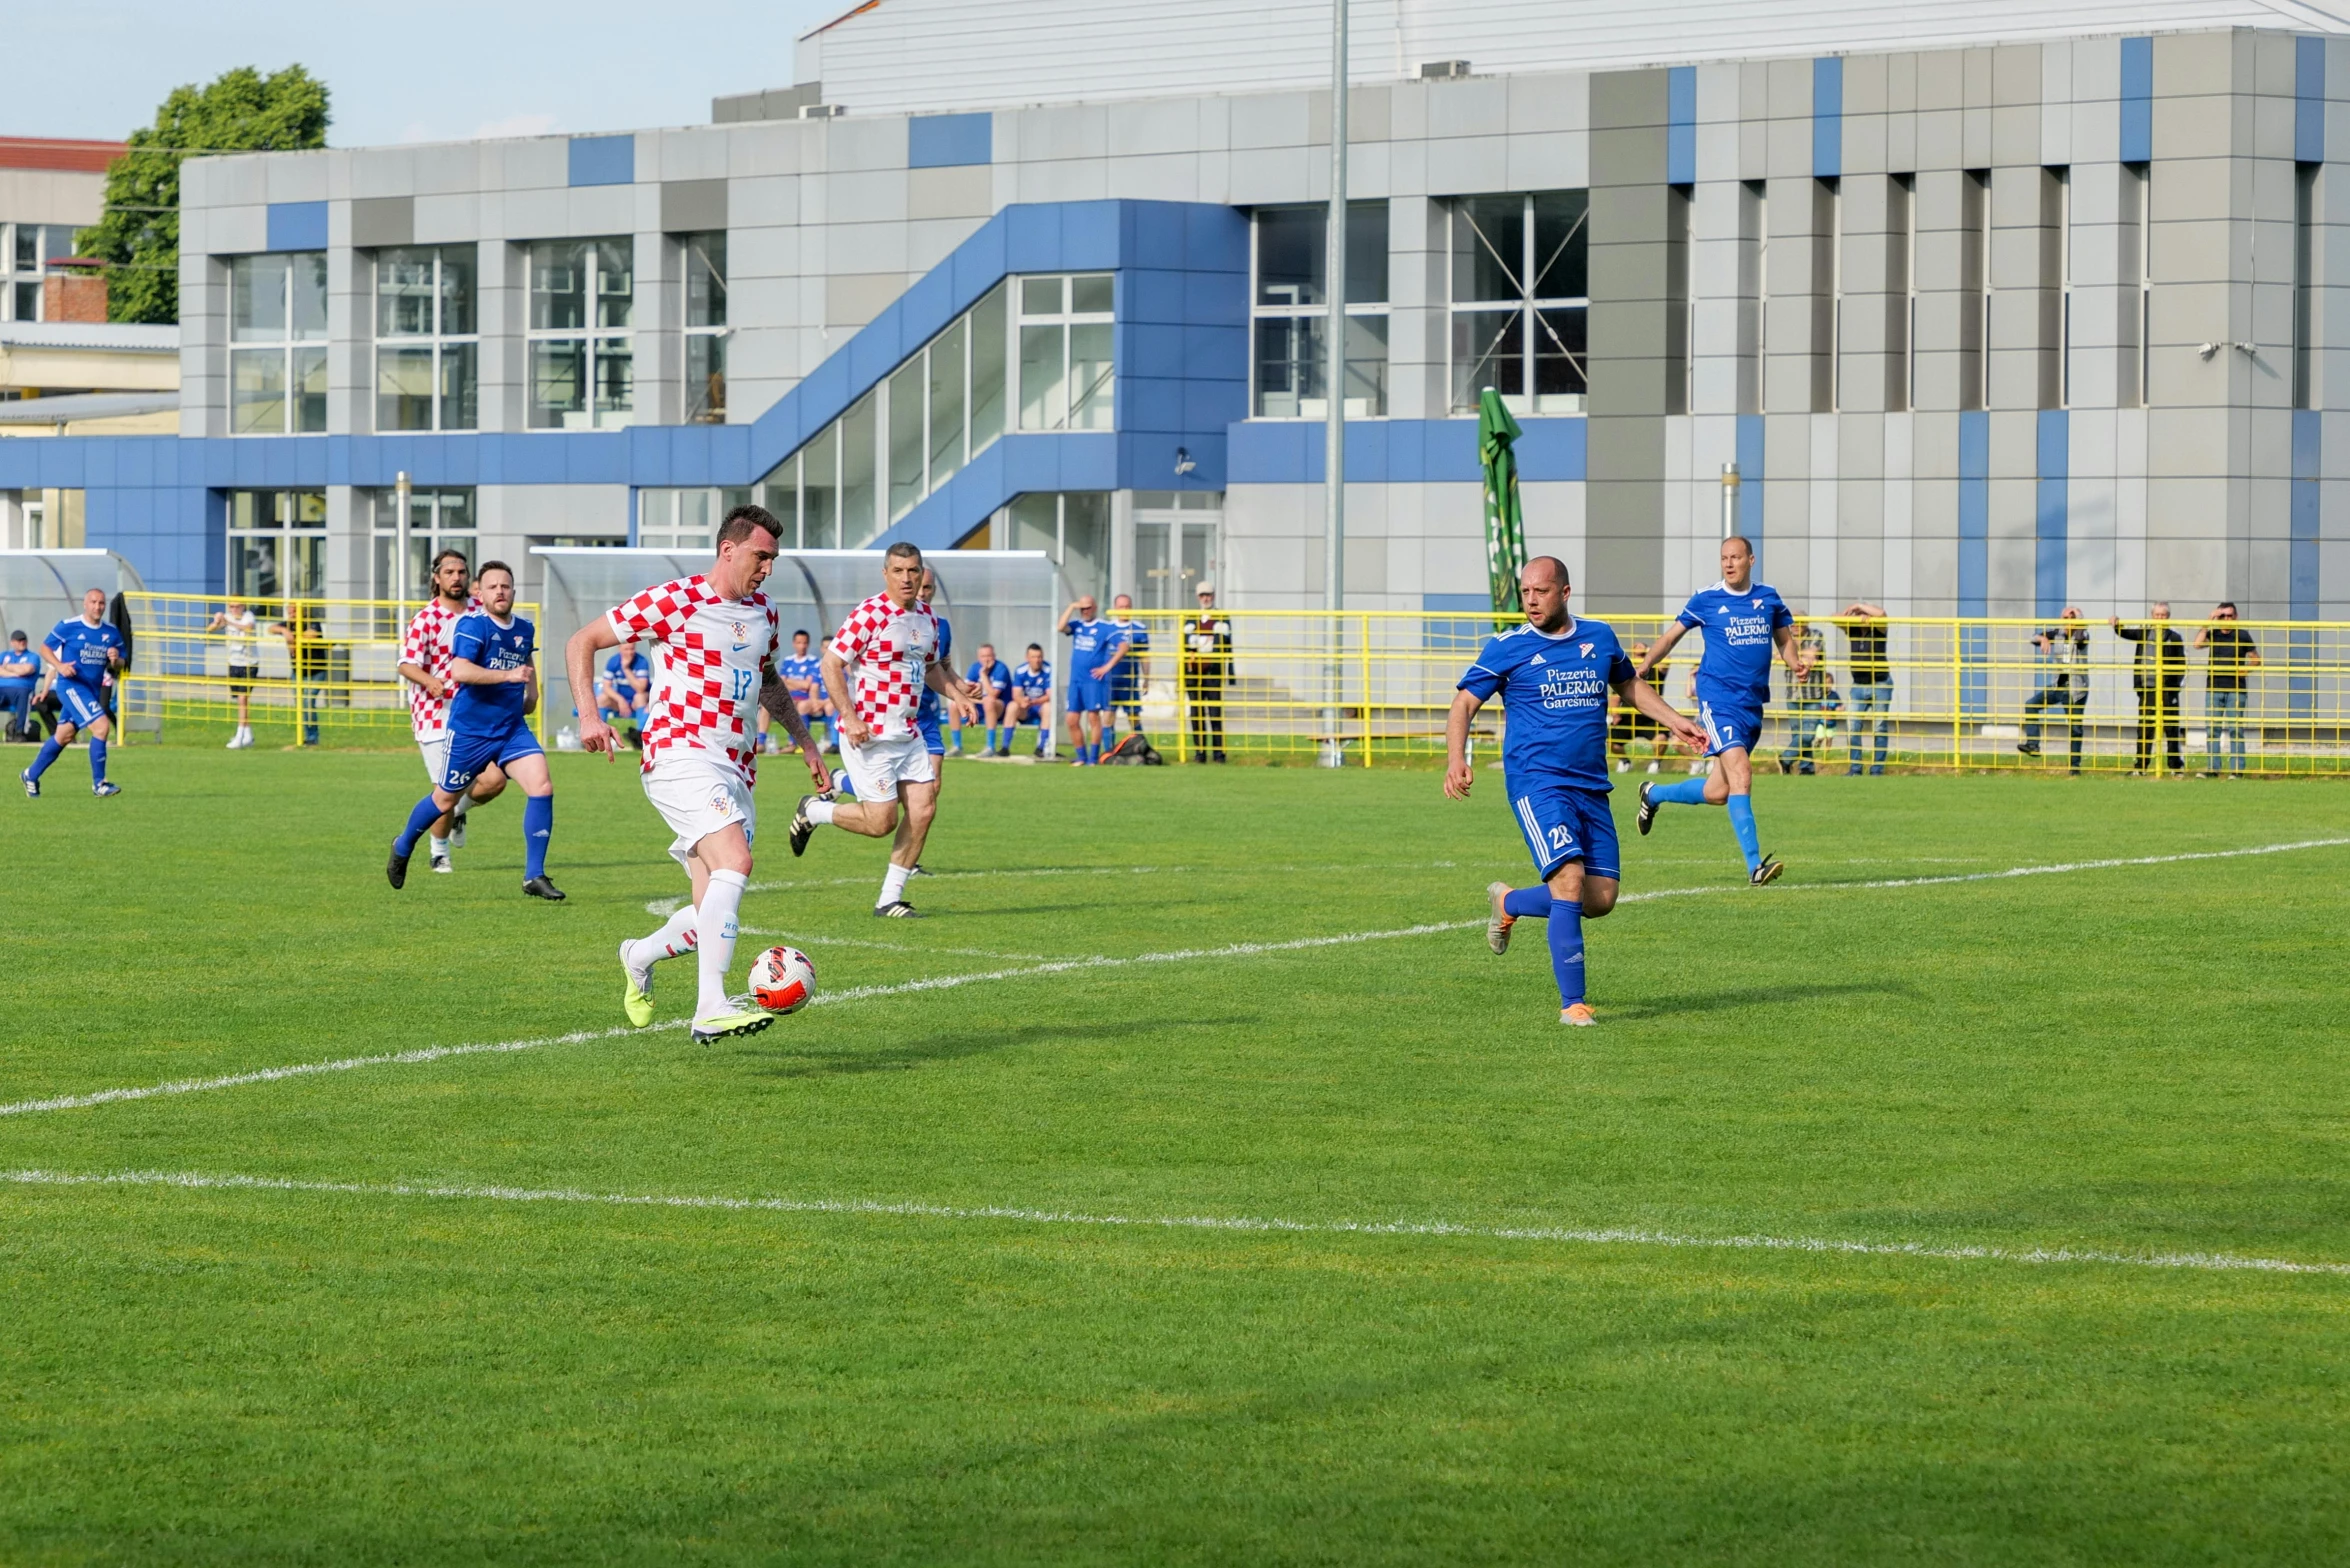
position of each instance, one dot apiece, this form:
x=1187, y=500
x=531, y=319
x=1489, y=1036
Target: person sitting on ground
x=20, y=678
x=625, y=691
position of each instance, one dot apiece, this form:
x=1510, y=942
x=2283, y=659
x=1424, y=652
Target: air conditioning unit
x=1443, y=70
x=821, y=111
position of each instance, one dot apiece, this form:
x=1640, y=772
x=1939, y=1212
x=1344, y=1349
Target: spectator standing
x=1871, y=690
x=2232, y=653
x=20, y=678
x=239, y=636
x=1096, y=647
x=1131, y=678
x=1207, y=667
x=2156, y=676
x=2063, y=651
x=1807, y=698
x=306, y=651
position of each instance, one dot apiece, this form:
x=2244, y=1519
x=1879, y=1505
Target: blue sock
x=420, y=818
x=49, y=750
x=1742, y=823
x=1566, y=948
x=538, y=826
x=1527, y=902
x=97, y=760
x=1689, y=792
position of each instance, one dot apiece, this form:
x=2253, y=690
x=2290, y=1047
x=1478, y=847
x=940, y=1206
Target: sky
x=424, y=70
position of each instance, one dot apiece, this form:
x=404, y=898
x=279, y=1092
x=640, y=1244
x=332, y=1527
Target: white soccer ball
x=783, y=980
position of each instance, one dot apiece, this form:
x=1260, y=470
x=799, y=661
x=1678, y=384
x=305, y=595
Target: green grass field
x=2146, y=1061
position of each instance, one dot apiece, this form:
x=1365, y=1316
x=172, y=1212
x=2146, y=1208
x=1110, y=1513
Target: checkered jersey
x=888, y=652
x=706, y=675
x=427, y=647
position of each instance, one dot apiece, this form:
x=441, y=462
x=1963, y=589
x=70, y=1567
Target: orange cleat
x=1580, y=1015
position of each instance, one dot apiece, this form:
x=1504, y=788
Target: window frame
x=709, y=337
x=1529, y=307
x=596, y=343
x=283, y=535
x=297, y=354
x=440, y=342
x=1301, y=316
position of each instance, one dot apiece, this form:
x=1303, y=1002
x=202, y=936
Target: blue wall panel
x=940, y=141
x=2137, y=102
x=297, y=225
x=2050, y=514
x=1681, y=125
x=603, y=160
x=1827, y=116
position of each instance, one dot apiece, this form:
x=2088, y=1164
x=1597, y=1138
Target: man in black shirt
x=1207, y=665
x=2160, y=670
x=2064, y=654
x=1872, y=681
x=2232, y=653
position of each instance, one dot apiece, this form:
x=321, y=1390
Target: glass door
x=1174, y=552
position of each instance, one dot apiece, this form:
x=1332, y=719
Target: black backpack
x=1133, y=751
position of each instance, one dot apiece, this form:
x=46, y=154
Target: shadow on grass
x=955, y=1046
x=1756, y=996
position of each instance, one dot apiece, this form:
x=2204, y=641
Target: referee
x=1207, y=665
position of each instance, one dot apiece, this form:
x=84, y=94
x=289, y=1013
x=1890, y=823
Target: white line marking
x=2213, y=1262
x=1066, y=965
x=896, y=947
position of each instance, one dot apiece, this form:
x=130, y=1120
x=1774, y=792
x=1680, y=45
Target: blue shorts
x=1089, y=694
x=1727, y=726
x=932, y=741
x=469, y=754
x=1563, y=823
x=82, y=704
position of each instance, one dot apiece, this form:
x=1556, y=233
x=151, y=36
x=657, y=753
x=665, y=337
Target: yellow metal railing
x=326, y=670
x=1374, y=688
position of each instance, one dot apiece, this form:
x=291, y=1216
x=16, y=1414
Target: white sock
x=464, y=804
x=440, y=849
x=715, y=932
x=820, y=812
x=675, y=937
x=893, y=885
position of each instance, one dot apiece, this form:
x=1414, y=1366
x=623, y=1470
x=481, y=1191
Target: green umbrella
x=1505, y=522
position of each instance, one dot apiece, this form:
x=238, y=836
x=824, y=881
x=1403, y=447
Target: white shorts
x=697, y=797
x=878, y=767
x=436, y=756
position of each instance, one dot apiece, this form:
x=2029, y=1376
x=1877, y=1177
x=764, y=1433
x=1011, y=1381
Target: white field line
x=2212, y=1262
x=1063, y=966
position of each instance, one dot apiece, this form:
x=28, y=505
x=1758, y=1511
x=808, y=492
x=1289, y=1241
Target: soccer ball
x=783, y=980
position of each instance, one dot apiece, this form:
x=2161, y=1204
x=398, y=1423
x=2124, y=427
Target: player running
x=82, y=653
x=715, y=635
x=931, y=718
x=424, y=665
x=1032, y=697
x=1095, y=647
x=1553, y=675
x=490, y=652
x=1742, y=620
x=884, y=653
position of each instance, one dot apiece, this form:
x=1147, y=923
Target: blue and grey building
x=1994, y=311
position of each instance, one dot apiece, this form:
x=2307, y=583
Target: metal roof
x=74, y=406
x=118, y=337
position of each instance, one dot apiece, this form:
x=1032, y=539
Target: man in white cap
x=1207, y=665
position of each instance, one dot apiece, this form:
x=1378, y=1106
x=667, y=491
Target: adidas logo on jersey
x=1537, y=659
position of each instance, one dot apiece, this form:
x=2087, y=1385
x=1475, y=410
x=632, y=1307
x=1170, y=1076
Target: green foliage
x=140, y=232
x=2142, y=1059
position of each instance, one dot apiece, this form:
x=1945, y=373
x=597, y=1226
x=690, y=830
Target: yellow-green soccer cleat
x=727, y=1026
x=637, y=999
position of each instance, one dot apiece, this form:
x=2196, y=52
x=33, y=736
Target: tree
x=140, y=232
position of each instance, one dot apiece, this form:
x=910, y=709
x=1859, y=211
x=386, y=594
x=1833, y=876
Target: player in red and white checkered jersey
x=424, y=665
x=875, y=667
x=714, y=638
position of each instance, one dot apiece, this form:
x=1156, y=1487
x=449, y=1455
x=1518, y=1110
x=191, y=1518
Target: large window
x=1291, y=311
x=582, y=355
x=705, y=327
x=427, y=343
x=1521, y=302
x=1065, y=330
x=437, y=520
x=276, y=544
x=277, y=343
x=26, y=249
x=1073, y=527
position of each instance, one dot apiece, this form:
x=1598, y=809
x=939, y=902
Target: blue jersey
x=82, y=648
x=809, y=669
x=996, y=682
x=1035, y=683
x=1555, y=690
x=926, y=711
x=625, y=667
x=1739, y=628
x=479, y=639
x=1092, y=644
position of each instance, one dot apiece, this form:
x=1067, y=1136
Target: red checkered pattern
x=427, y=647
x=888, y=652
x=707, y=671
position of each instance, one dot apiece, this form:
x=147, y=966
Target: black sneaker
x=1768, y=871
x=396, y=869
x=2030, y=748
x=1647, y=817
x=801, y=827
x=901, y=910
x=540, y=887
x=917, y=871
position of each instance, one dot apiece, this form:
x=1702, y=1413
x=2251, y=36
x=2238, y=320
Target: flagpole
x=1334, y=387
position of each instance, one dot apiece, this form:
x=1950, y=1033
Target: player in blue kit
x=1743, y=620
x=803, y=677
x=1032, y=696
x=81, y=653
x=1128, y=680
x=489, y=721
x=1095, y=647
x=993, y=677
x=1553, y=676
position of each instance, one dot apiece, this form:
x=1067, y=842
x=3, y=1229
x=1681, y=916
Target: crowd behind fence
x=1373, y=688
